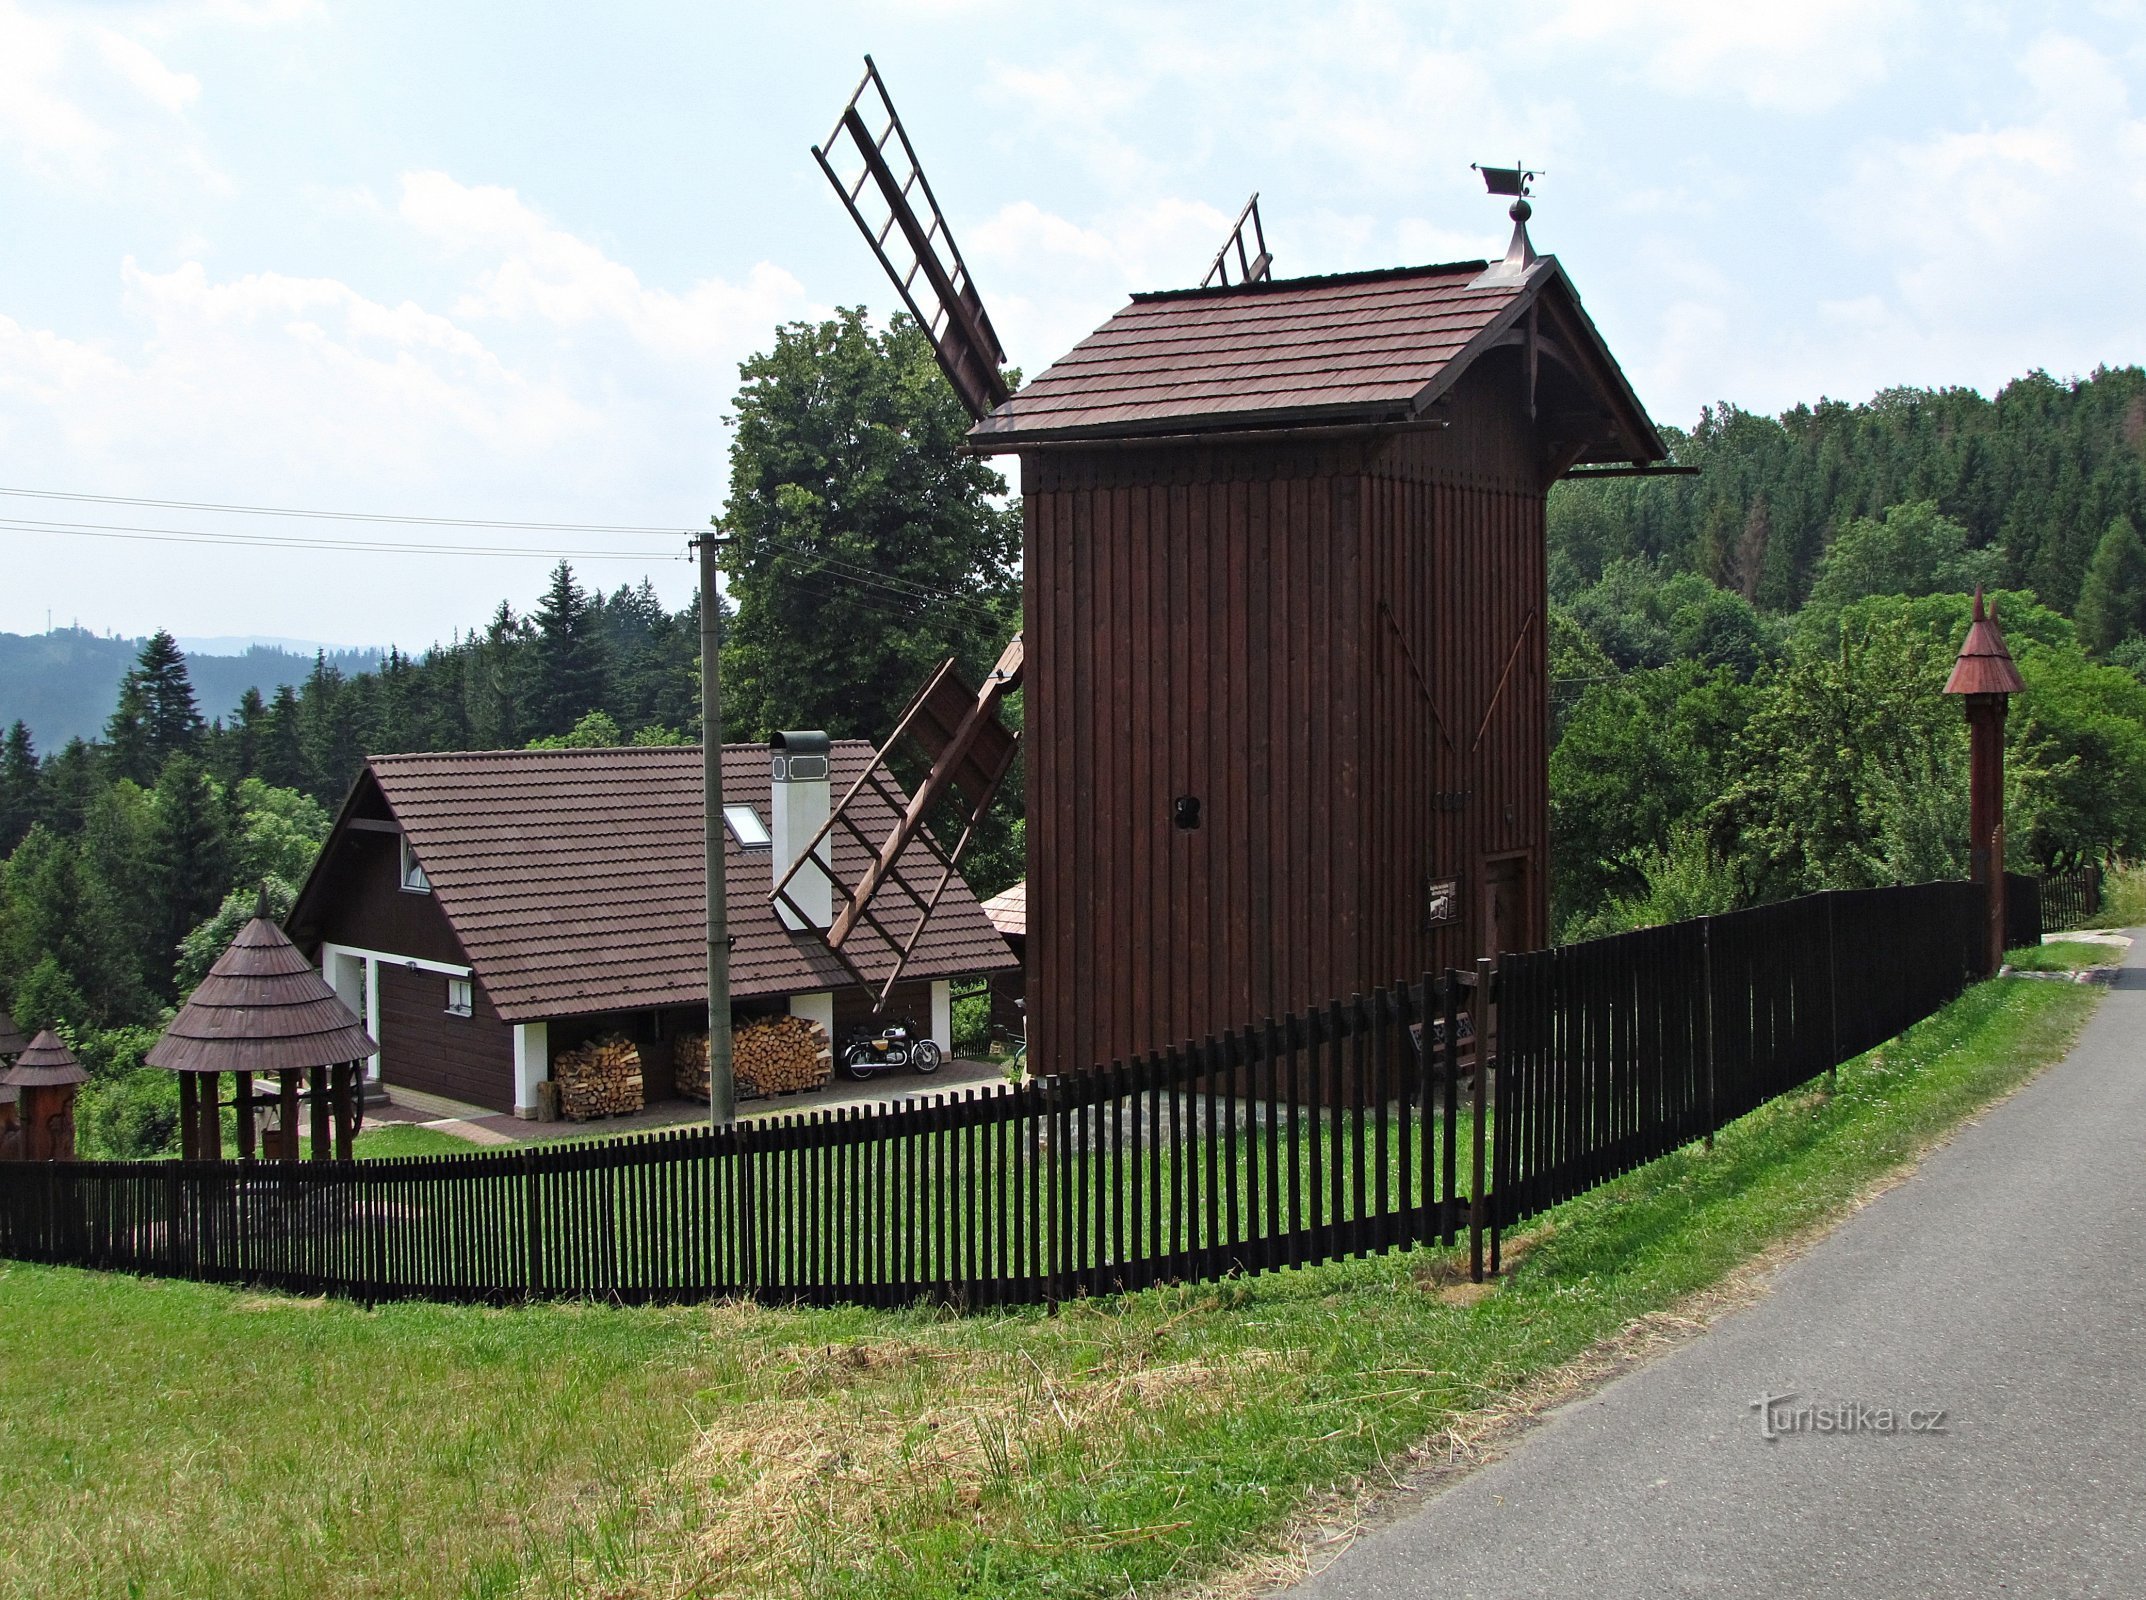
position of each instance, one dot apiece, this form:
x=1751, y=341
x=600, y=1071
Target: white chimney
x=798, y=801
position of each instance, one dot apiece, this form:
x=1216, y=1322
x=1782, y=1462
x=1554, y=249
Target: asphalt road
x=2005, y=1283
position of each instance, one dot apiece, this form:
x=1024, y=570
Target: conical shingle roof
x=1985, y=664
x=12, y=1043
x=46, y=1064
x=262, y=1008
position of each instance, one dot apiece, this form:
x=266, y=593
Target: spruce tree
x=283, y=758
x=18, y=786
x=156, y=717
x=2112, y=601
x=190, y=864
x=572, y=661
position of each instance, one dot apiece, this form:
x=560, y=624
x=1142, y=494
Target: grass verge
x=2064, y=955
x=179, y=1440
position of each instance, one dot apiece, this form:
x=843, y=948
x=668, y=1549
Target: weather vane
x=1515, y=180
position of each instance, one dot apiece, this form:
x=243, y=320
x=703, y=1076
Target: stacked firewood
x=600, y=1079
x=780, y=1055
x=689, y=1065
x=769, y=1055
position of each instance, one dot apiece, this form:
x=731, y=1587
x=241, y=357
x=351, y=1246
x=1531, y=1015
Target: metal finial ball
x=1521, y=211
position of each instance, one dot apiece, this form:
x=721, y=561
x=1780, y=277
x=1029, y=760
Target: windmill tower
x=1284, y=602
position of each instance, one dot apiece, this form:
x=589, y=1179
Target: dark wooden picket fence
x=2070, y=897
x=1353, y=1128
x=1617, y=1051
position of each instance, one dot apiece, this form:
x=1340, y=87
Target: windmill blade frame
x=962, y=337
x=1254, y=264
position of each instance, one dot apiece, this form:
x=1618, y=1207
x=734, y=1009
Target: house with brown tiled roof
x=486, y=911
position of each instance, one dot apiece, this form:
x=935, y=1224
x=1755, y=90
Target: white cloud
x=140, y=66
x=1803, y=57
x=555, y=385
x=1999, y=226
x=534, y=270
x=1049, y=280
x=50, y=133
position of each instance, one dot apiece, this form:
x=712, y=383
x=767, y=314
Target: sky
x=501, y=262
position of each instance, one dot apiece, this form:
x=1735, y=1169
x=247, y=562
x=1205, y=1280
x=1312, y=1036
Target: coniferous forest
x=1746, y=668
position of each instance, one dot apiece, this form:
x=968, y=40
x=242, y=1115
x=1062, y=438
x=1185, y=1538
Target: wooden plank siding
x=1210, y=620
x=424, y=1047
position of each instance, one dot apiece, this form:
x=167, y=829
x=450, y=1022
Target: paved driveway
x=2004, y=1285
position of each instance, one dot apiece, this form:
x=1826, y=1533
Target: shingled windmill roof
x=1985, y=664
x=1360, y=348
x=45, y=1064
x=262, y=1008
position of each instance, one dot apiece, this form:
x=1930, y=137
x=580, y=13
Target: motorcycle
x=892, y=1046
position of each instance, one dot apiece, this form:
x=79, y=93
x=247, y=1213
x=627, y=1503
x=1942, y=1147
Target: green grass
x=2064, y=955
x=2123, y=898
x=170, y=1439
x=389, y=1139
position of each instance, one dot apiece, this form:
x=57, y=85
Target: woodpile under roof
x=262, y=1008
x=45, y=1063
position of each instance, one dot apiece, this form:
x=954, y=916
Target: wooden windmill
x=955, y=729
x=1284, y=582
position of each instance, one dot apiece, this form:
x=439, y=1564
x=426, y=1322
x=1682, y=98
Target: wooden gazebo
x=45, y=1074
x=264, y=1010
x=12, y=1044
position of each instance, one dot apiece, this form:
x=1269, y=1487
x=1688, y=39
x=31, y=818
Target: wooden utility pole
x=1986, y=678
x=722, y=1088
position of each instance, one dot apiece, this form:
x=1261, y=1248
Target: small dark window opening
x=1185, y=812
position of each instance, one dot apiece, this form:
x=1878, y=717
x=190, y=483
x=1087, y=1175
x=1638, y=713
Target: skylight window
x=413, y=875
x=746, y=827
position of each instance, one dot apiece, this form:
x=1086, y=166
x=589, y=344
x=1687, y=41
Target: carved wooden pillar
x=287, y=1113
x=189, y=1118
x=242, y=1101
x=1986, y=678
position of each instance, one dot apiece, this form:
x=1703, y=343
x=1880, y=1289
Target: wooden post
x=189, y=1118
x=344, y=1072
x=1985, y=766
x=1479, y=1101
x=211, y=1137
x=318, y=1098
x=242, y=1101
x=287, y=1112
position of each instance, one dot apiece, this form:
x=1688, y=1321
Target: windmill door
x=1504, y=905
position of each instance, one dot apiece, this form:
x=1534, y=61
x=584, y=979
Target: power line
x=272, y=541
x=344, y=516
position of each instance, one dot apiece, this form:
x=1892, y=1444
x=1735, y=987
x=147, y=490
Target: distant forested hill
x=64, y=684
x=2037, y=473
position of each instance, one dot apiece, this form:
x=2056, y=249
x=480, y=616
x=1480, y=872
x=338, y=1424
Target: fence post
x=1832, y=998
x=1478, y=1211
x=532, y=1230
x=1706, y=993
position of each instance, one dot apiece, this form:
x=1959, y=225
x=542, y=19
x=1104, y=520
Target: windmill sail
x=869, y=138
x=954, y=728
x=1253, y=263
x=957, y=729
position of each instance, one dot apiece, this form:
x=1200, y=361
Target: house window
x=413, y=875
x=746, y=827
x=458, y=997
